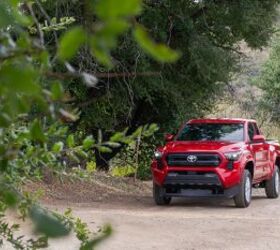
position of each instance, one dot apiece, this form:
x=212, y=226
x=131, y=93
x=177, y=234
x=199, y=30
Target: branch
x=48, y=19
x=199, y=12
x=40, y=32
x=66, y=76
x=229, y=48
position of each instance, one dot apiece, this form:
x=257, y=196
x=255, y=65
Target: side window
x=257, y=131
x=251, y=131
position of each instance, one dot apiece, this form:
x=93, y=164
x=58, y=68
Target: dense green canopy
x=139, y=90
x=144, y=91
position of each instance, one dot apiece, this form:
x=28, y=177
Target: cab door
x=266, y=153
x=259, y=151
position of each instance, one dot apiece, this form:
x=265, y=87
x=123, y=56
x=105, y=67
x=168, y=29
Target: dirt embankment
x=100, y=188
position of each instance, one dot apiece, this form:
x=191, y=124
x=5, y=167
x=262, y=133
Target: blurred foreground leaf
x=90, y=245
x=159, y=52
x=71, y=42
x=47, y=224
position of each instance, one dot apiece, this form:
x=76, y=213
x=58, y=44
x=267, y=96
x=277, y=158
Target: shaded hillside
x=242, y=96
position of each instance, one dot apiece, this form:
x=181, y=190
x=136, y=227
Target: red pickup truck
x=216, y=158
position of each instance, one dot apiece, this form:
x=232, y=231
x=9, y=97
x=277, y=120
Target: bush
x=123, y=171
x=139, y=158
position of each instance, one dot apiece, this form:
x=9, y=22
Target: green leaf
x=160, y=52
x=5, y=120
x=36, y=132
x=21, y=104
x=6, y=18
x=101, y=53
x=74, y=157
x=108, y=33
x=137, y=132
x=99, y=136
x=10, y=198
x=105, y=233
x=149, y=131
x=112, y=144
x=58, y=147
x=106, y=39
x=88, y=142
x=10, y=14
x=104, y=149
x=19, y=78
x=82, y=153
x=111, y=9
x=117, y=137
x=70, y=42
x=70, y=141
x=48, y=224
x=57, y=91
x=91, y=166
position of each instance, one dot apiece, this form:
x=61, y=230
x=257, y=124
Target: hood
x=190, y=146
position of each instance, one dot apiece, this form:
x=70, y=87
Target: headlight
x=233, y=156
x=158, y=155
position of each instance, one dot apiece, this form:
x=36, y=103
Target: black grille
x=202, y=159
x=192, y=179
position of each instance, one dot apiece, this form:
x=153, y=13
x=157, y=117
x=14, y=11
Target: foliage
x=91, y=166
x=123, y=171
x=135, y=159
x=139, y=90
x=8, y=232
x=35, y=114
x=126, y=159
x=82, y=232
x=269, y=82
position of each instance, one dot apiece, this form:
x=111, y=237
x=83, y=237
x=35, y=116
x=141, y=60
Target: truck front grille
x=194, y=179
x=193, y=159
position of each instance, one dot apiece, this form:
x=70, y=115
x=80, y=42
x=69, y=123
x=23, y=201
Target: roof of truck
x=221, y=120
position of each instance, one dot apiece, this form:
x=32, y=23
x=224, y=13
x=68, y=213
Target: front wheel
x=272, y=185
x=243, y=198
x=159, y=195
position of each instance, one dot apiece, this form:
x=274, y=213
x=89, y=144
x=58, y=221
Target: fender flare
x=249, y=159
x=275, y=158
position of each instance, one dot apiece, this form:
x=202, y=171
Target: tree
x=269, y=83
x=139, y=90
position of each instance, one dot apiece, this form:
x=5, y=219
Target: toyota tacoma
x=216, y=158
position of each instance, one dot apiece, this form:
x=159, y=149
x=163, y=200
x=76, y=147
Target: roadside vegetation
x=91, y=86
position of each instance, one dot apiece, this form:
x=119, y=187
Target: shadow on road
x=147, y=202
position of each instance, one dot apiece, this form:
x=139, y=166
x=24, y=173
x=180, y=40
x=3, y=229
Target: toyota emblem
x=192, y=158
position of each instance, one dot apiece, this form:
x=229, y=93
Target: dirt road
x=185, y=224
x=140, y=225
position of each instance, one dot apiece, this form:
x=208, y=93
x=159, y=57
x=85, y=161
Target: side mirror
x=258, y=138
x=168, y=137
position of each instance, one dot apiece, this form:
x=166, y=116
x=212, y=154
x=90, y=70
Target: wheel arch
x=251, y=167
x=277, y=161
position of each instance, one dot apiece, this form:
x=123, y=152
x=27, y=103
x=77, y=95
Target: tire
x=243, y=198
x=159, y=197
x=272, y=185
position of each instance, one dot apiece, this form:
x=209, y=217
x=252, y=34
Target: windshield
x=212, y=132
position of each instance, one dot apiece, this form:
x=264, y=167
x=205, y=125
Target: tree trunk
x=102, y=159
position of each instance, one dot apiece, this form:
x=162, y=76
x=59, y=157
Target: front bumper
x=221, y=175
x=194, y=184
x=207, y=193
